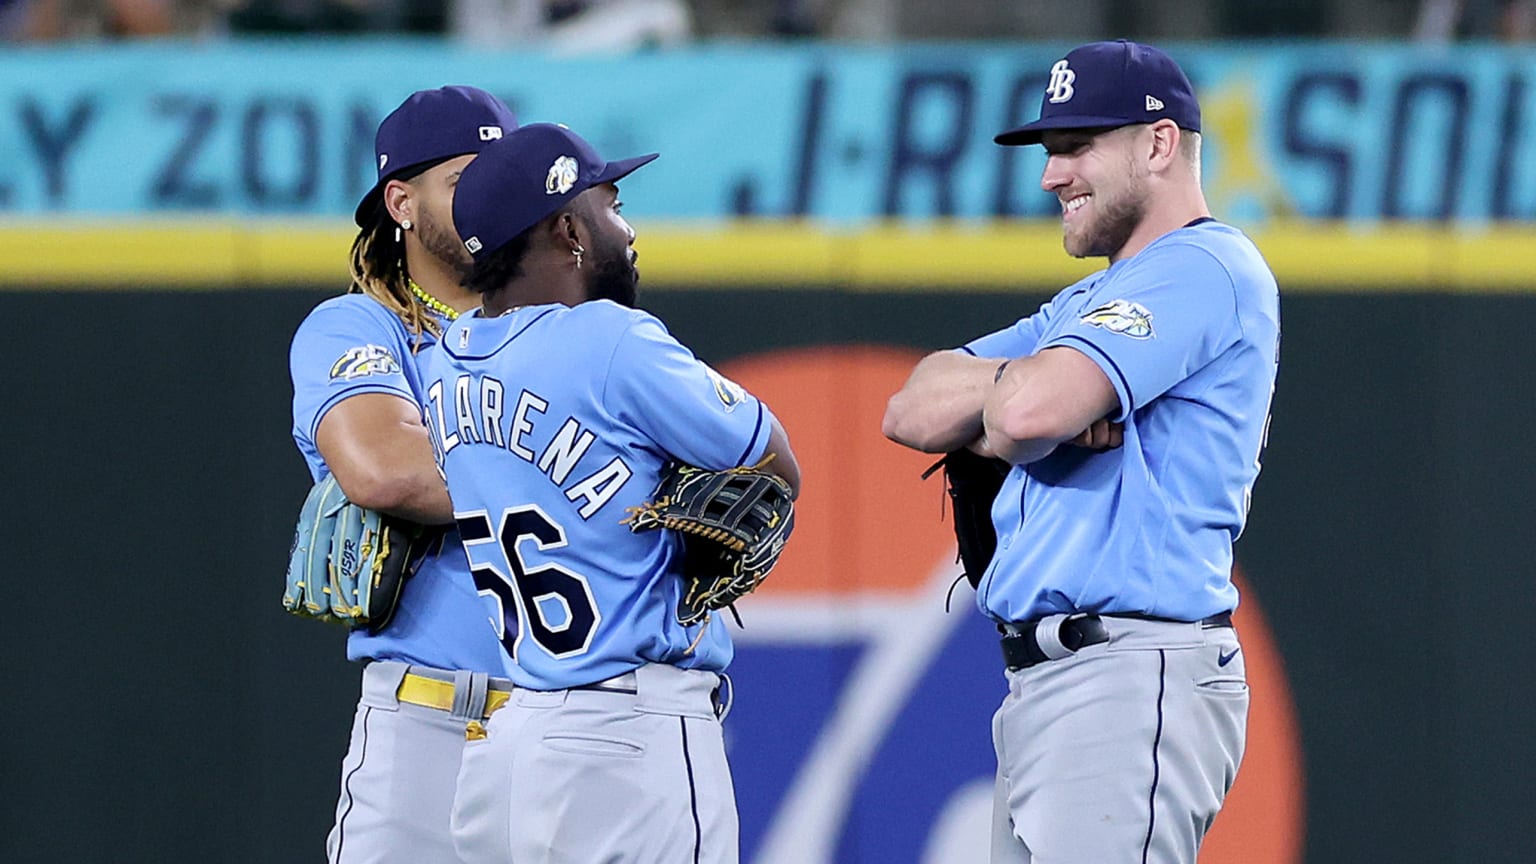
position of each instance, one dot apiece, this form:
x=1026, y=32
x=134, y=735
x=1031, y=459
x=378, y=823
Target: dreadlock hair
x=500, y=267
x=378, y=270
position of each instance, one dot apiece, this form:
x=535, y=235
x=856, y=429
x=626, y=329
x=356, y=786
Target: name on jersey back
x=480, y=417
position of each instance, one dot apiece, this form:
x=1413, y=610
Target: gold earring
x=578, y=252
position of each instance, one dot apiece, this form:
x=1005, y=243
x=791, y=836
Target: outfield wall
x=821, y=216
x=161, y=706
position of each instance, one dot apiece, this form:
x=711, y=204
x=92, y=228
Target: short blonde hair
x=1189, y=148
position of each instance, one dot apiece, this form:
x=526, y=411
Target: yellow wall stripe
x=960, y=256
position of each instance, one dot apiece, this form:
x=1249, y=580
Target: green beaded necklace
x=433, y=303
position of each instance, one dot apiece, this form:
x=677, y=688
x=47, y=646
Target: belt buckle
x=1054, y=637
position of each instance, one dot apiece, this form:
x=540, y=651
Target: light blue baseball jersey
x=351, y=345
x=1188, y=332
x=551, y=422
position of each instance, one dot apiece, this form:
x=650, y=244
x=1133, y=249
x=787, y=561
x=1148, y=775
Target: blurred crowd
x=597, y=25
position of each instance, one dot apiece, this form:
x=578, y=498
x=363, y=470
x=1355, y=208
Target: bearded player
x=357, y=392
x=556, y=409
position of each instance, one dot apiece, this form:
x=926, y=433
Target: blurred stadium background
x=178, y=178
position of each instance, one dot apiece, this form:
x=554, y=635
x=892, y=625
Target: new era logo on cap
x=1154, y=103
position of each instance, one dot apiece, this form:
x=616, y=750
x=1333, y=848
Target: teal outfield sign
x=836, y=133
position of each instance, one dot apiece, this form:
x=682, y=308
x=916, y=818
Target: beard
x=443, y=244
x=614, y=277
x=1117, y=219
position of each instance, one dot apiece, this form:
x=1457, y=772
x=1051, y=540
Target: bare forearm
x=378, y=449
x=994, y=442
x=940, y=407
x=1010, y=432
x=1042, y=401
x=428, y=506
x=783, y=462
x=410, y=491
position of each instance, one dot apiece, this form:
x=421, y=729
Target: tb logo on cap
x=1060, y=85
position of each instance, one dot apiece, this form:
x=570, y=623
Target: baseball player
x=554, y=410
x=1127, y=705
x=357, y=415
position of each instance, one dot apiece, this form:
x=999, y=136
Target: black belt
x=1031, y=646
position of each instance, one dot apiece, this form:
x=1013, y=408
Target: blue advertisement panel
x=836, y=133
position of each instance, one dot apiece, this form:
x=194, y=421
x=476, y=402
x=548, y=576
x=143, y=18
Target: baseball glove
x=973, y=482
x=347, y=563
x=734, y=524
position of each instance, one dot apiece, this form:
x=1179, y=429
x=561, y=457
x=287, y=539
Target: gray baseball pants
x=1122, y=752
x=397, y=780
x=628, y=771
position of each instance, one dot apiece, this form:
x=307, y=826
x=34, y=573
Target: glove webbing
x=738, y=509
x=687, y=521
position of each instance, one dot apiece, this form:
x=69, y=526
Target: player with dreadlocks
x=388, y=237
x=430, y=671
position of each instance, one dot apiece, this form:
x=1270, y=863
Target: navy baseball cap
x=1111, y=84
x=526, y=176
x=430, y=126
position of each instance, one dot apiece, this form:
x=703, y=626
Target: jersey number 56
x=551, y=604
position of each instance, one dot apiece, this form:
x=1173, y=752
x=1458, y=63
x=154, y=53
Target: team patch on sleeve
x=1123, y=317
x=729, y=391
x=365, y=360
